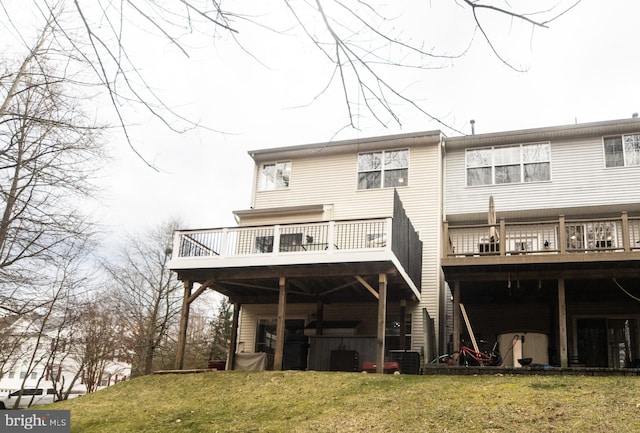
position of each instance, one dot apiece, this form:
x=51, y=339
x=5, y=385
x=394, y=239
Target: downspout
x=254, y=185
x=440, y=322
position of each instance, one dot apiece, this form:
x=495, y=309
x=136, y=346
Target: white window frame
x=493, y=163
x=382, y=169
x=281, y=178
x=630, y=157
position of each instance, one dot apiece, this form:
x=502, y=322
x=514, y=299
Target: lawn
x=355, y=402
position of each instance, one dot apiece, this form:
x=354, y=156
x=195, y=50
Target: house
x=338, y=254
x=386, y=248
x=43, y=358
x=555, y=275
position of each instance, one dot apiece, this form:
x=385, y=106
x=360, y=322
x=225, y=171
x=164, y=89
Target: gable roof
x=609, y=127
x=344, y=146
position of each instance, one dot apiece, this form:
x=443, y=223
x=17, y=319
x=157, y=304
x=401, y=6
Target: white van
x=30, y=397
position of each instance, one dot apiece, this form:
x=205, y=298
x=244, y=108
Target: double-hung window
x=622, y=150
x=275, y=175
x=383, y=169
x=521, y=163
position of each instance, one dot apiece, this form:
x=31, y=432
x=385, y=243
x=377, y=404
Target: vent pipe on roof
x=473, y=127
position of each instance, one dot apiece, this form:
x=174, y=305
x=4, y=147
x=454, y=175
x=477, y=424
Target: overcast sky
x=583, y=68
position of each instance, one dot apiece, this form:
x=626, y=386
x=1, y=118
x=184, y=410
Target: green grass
x=353, y=402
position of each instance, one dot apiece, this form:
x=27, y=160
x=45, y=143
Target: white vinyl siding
x=421, y=199
x=314, y=186
x=580, y=179
x=365, y=313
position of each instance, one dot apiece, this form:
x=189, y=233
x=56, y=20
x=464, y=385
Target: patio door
x=605, y=342
x=295, y=342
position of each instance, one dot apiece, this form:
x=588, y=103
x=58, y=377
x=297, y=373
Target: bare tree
x=208, y=336
x=363, y=41
x=98, y=339
x=196, y=347
x=45, y=332
x=147, y=292
x=48, y=153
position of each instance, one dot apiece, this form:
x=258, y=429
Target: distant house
x=49, y=359
x=363, y=250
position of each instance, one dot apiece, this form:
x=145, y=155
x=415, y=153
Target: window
x=479, y=167
x=54, y=373
x=600, y=235
x=288, y=242
x=275, y=176
x=392, y=332
x=574, y=235
x=384, y=169
x=376, y=240
x=295, y=342
x=591, y=236
x=520, y=244
x=622, y=150
x=264, y=244
x=536, y=162
x=508, y=164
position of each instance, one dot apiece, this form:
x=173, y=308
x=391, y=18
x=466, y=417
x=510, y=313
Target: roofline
x=547, y=133
x=619, y=126
x=368, y=143
x=287, y=210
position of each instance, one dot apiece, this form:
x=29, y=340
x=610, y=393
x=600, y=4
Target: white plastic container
x=524, y=344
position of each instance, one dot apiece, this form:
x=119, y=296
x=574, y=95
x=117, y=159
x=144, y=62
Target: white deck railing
x=290, y=238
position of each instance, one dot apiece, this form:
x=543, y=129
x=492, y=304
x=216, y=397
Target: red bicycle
x=468, y=356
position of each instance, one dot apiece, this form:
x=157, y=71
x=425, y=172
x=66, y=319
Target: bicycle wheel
x=496, y=359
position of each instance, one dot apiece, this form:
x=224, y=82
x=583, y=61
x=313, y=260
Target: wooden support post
x=562, y=235
x=503, y=237
x=382, y=322
x=626, y=240
x=456, y=316
x=562, y=323
x=184, y=323
x=233, y=344
x=282, y=305
x=319, y=318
